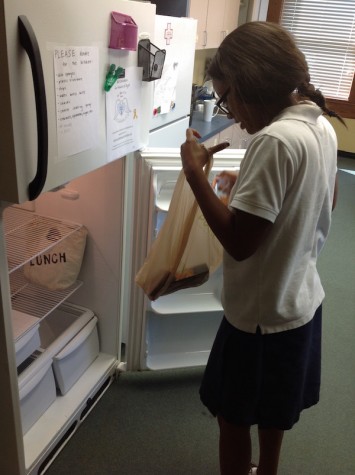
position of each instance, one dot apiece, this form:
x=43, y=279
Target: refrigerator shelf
x=23, y=230
x=35, y=300
x=177, y=360
x=181, y=340
x=184, y=302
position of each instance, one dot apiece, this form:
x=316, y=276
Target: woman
x=264, y=366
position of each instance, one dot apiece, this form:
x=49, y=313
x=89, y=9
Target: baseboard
x=342, y=153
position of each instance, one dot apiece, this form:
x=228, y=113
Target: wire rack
x=36, y=300
x=29, y=235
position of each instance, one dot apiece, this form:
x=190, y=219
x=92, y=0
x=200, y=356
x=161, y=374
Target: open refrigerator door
x=175, y=330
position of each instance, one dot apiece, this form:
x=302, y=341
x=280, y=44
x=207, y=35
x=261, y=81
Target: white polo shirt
x=287, y=177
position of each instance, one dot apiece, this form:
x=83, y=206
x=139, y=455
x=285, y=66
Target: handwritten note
x=123, y=114
x=77, y=98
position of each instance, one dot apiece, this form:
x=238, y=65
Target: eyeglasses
x=222, y=102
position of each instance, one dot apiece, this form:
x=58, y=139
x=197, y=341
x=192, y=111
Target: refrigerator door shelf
x=164, y=184
x=177, y=360
x=186, y=302
x=204, y=298
x=182, y=340
x=165, y=171
x=168, y=158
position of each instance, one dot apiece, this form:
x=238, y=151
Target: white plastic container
x=76, y=356
x=27, y=344
x=26, y=335
x=69, y=336
x=37, y=390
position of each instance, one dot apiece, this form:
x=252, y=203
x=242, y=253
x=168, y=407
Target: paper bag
x=185, y=251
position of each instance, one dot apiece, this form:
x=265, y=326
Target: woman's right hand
x=195, y=155
x=225, y=181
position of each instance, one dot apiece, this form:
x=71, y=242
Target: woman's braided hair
x=307, y=90
x=262, y=63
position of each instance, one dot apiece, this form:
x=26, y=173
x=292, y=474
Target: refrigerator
x=172, y=92
x=71, y=157
x=60, y=168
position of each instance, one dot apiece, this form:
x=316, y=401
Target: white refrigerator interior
x=68, y=343
x=172, y=92
x=177, y=330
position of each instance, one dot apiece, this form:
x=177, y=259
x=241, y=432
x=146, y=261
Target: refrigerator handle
x=29, y=42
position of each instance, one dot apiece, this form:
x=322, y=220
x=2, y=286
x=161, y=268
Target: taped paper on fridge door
x=77, y=106
x=123, y=114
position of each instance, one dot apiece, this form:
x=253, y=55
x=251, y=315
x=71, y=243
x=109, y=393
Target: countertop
x=209, y=129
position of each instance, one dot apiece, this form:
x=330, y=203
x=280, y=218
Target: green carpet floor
x=152, y=423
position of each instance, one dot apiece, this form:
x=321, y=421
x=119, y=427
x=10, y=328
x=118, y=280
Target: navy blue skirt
x=264, y=379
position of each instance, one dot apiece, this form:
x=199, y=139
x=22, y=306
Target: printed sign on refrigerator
x=77, y=98
x=123, y=114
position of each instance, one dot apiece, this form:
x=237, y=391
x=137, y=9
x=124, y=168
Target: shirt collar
x=305, y=111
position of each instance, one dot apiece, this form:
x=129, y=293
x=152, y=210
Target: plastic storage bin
x=26, y=335
x=124, y=32
x=69, y=336
x=37, y=390
x=76, y=357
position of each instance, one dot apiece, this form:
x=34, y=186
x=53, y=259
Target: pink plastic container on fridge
x=124, y=32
